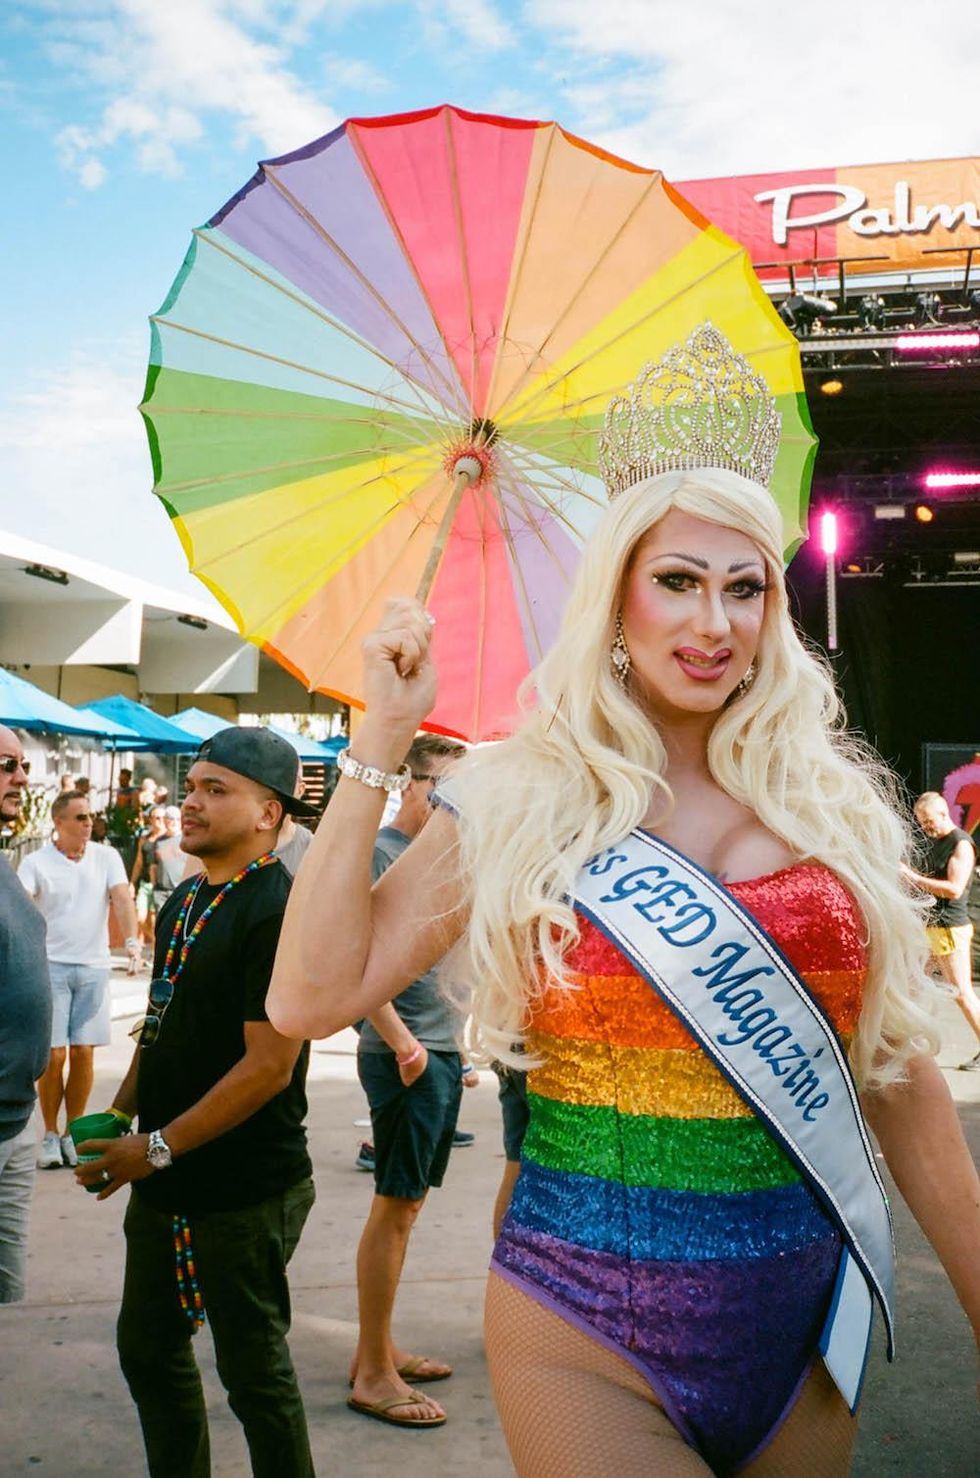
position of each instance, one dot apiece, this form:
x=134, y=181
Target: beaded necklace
x=188, y=1290
x=190, y=897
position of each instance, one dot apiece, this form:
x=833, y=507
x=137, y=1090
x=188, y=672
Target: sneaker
x=973, y=1066
x=461, y=1139
x=68, y=1151
x=50, y=1156
x=365, y=1157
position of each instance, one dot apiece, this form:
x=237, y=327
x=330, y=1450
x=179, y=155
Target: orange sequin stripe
x=626, y=1012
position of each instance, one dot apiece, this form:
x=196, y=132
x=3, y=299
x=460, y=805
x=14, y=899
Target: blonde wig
x=582, y=770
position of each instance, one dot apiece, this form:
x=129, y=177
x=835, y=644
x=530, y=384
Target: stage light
x=802, y=310
x=967, y=557
x=889, y=510
x=852, y=569
x=928, y=308
x=831, y=387
x=925, y=343
x=924, y=513
x=871, y=311
x=828, y=533
x=952, y=479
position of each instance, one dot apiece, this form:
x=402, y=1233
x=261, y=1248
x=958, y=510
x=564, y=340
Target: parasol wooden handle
x=466, y=471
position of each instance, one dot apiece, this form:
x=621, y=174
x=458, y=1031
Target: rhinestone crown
x=701, y=405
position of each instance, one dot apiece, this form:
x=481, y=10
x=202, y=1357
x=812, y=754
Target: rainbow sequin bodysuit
x=653, y=1210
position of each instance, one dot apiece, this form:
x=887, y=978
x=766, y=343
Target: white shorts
x=81, y=1007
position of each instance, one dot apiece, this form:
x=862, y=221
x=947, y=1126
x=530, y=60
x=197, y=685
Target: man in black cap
x=220, y=1169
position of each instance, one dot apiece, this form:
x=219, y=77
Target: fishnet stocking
x=571, y=1408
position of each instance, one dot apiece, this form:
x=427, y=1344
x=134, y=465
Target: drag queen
x=680, y=884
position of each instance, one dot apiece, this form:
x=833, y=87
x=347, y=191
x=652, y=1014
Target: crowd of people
x=680, y=914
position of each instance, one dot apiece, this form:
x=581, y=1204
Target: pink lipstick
x=702, y=666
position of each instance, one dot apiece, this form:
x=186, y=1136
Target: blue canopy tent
x=196, y=721
x=116, y=735
x=310, y=751
x=25, y=706
x=153, y=733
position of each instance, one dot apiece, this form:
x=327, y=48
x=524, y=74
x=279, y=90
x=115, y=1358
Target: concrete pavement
x=65, y=1409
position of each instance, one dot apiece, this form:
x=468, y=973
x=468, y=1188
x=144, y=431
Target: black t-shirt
x=222, y=986
x=948, y=912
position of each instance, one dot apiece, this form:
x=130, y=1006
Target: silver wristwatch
x=158, y=1151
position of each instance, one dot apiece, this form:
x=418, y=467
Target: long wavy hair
x=587, y=762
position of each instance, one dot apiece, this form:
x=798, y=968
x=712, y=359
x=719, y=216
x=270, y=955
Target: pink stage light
x=828, y=533
x=952, y=480
x=924, y=343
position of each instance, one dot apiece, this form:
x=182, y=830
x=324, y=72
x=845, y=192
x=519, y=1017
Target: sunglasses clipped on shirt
x=9, y=765
x=145, y=1031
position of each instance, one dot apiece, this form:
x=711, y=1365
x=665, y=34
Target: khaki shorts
x=946, y=940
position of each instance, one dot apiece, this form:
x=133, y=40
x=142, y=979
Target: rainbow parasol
x=403, y=293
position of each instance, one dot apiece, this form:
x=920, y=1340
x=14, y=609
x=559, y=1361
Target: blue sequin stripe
x=656, y=1224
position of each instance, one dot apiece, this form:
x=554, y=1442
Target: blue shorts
x=412, y=1127
x=81, y=1007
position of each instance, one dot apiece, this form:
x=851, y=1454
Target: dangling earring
x=620, y=655
x=748, y=678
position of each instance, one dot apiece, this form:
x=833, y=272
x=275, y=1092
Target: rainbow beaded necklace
x=190, y=897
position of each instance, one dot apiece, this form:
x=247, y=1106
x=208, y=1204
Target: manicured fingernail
x=429, y=617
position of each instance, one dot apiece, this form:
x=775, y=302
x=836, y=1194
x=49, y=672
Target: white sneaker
x=68, y=1151
x=50, y=1156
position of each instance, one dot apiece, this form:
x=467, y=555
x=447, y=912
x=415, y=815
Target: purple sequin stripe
x=722, y=1342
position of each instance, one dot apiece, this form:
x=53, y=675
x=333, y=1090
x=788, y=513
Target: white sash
x=720, y=972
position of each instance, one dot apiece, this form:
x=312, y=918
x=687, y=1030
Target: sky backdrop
x=127, y=122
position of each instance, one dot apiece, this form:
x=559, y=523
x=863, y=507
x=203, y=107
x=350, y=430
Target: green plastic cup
x=94, y=1126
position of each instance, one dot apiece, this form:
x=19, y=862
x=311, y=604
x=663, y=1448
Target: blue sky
x=127, y=122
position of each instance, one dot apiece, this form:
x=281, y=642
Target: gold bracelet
x=370, y=775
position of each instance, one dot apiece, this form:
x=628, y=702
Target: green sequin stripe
x=711, y=1155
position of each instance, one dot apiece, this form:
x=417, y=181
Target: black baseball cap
x=262, y=757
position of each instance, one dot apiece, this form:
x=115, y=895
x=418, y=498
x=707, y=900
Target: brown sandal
x=412, y=1370
x=381, y=1411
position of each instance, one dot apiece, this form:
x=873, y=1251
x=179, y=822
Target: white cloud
x=77, y=467
x=468, y=29
x=354, y=75
x=479, y=24
x=164, y=69
x=88, y=402
x=727, y=87
x=92, y=174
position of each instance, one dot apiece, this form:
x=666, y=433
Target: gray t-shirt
x=170, y=862
x=291, y=853
x=25, y=1002
x=429, y=1016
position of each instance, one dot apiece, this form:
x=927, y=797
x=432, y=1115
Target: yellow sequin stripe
x=660, y=1082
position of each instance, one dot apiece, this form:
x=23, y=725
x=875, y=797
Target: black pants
x=241, y=1259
